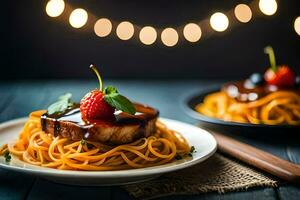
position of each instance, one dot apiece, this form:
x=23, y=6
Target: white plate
x=204, y=143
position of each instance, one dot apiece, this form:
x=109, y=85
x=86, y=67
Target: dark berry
x=297, y=81
x=257, y=79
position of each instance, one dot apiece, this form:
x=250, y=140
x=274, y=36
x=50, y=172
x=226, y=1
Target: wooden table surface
x=19, y=98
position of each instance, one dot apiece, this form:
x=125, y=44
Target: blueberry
x=257, y=79
x=297, y=81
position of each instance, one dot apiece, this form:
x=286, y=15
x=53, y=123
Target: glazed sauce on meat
x=245, y=91
x=143, y=114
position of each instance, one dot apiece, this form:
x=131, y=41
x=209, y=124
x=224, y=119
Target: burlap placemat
x=217, y=174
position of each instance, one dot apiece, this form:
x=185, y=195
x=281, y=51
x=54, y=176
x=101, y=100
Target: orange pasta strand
x=280, y=107
x=39, y=148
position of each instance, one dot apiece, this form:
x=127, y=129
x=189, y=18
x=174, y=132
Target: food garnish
x=278, y=75
x=178, y=157
x=82, y=142
x=192, y=150
x=64, y=102
x=7, y=156
x=101, y=103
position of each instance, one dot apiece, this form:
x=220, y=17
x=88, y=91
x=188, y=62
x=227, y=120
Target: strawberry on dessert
x=278, y=75
x=99, y=104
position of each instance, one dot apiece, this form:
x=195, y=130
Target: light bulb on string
x=125, y=30
x=54, y=8
x=268, y=7
x=243, y=13
x=219, y=22
x=148, y=35
x=103, y=27
x=78, y=18
x=192, y=32
x=297, y=25
x=169, y=37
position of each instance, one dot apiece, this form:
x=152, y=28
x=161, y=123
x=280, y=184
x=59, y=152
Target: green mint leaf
x=120, y=103
x=65, y=96
x=63, y=103
x=58, y=106
x=110, y=90
x=82, y=142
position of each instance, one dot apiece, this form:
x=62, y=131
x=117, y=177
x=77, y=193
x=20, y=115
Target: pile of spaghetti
x=37, y=147
x=280, y=107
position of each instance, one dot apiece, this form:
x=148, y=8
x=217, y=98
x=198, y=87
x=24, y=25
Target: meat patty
x=125, y=128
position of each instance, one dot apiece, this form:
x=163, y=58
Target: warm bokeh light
x=148, y=35
x=125, y=30
x=192, y=32
x=268, y=7
x=54, y=8
x=297, y=25
x=103, y=27
x=78, y=18
x=243, y=13
x=169, y=37
x=219, y=22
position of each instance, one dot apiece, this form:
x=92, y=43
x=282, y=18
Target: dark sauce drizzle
x=245, y=91
x=73, y=114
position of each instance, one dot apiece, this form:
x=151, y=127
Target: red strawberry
x=93, y=106
x=101, y=104
x=283, y=76
x=280, y=76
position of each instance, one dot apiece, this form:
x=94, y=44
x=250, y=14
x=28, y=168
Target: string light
x=125, y=30
x=103, y=27
x=268, y=7
x=243, y=13
x=148, y=35
x=169, y=37
x=219, y=22
x=54, y=8
x=192, y=32
x=78, y=18
x=297, y=25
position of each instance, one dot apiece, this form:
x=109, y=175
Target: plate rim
x=198, y=116
x=109, y=174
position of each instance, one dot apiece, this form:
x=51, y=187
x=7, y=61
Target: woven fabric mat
x=217, y=174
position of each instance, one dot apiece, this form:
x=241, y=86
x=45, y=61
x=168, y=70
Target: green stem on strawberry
x=269, y=50
x=98, y=76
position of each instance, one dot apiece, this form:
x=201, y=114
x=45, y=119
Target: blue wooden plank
x=259, y=193
x=13, y=185
x=46, y=190
x=293, y=152
x=289, y=192
x=265, y=193
x=21, y=99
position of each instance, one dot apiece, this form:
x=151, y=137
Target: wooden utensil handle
x=260, y=159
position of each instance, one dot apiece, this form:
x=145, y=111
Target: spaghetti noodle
x=37, y=147
x=280, y=107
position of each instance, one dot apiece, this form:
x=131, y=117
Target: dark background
x=37, y=46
